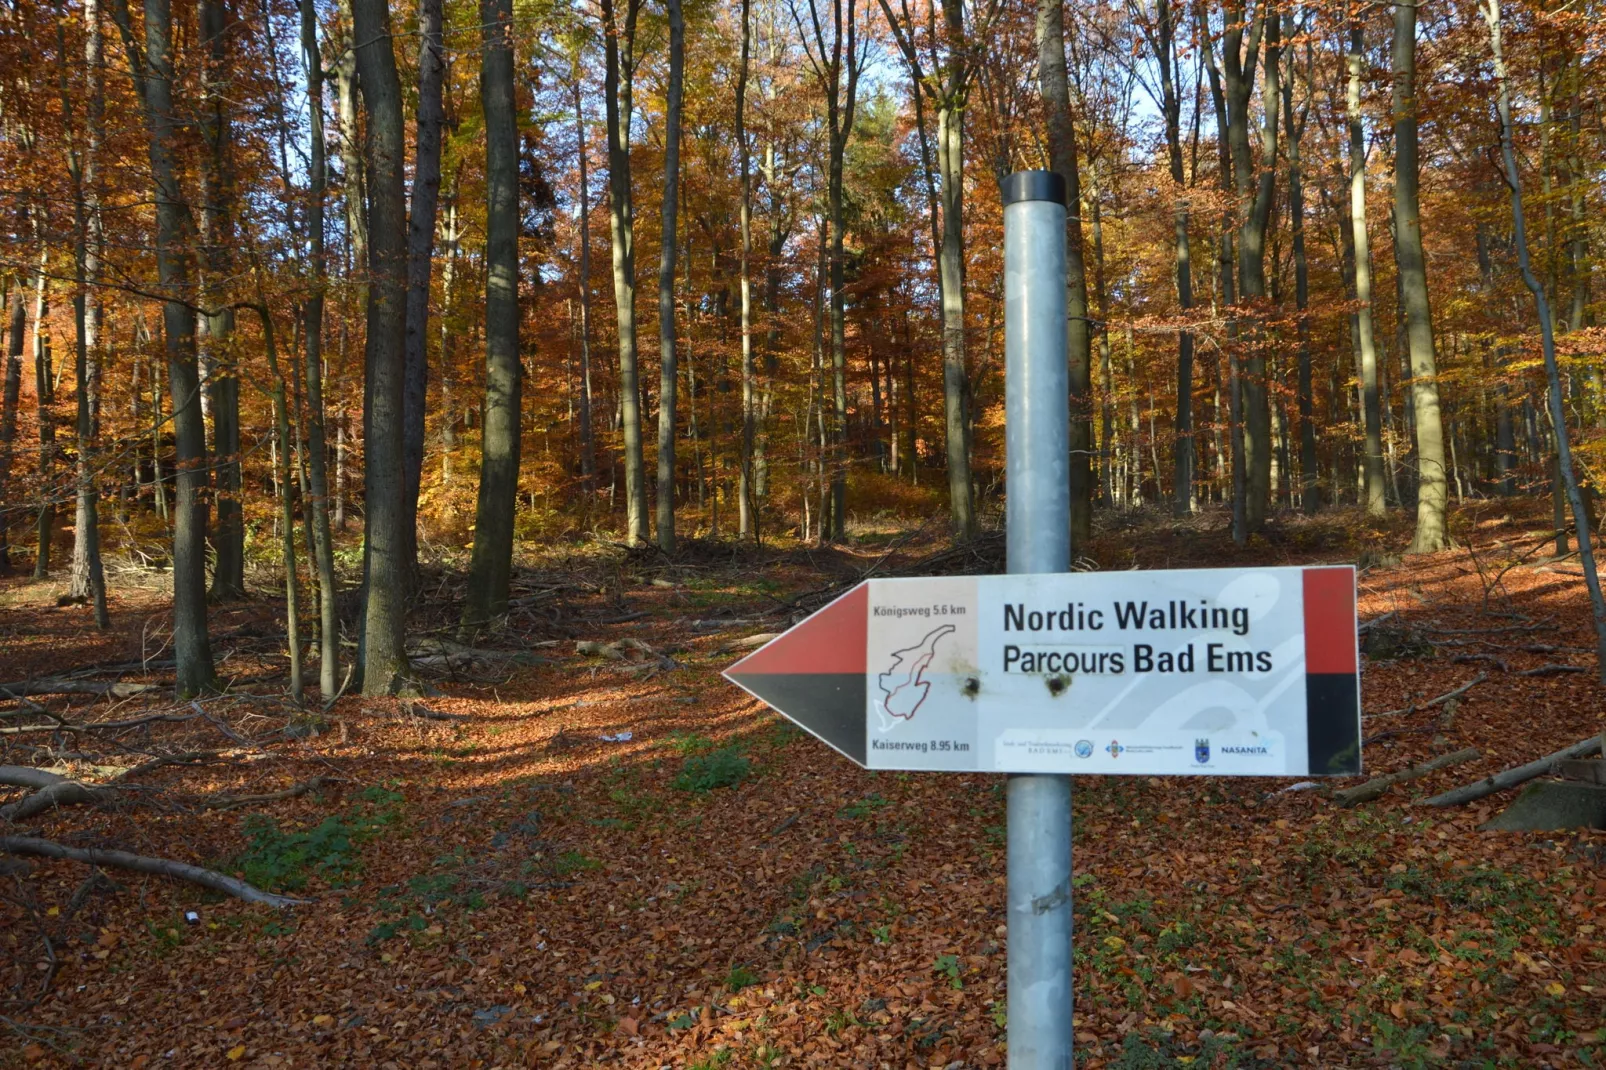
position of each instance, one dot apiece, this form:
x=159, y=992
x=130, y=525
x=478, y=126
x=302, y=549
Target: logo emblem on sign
x=1201, y=751
x=1115, y=749
x=1084, y=748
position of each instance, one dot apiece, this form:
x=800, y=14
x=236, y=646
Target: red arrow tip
x=830, y=641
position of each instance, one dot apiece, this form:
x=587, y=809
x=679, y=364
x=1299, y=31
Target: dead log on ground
x=21, y=688
x=1512, y=777
x=234, y=802
x=1374, y=788
x=160, y=867
x=50, y=791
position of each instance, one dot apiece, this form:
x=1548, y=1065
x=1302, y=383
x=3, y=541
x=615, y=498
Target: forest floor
x=631, y=863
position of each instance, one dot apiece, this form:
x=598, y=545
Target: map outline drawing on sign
x=903, y=686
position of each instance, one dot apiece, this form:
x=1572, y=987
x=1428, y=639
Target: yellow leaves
x=593, y=986
x=236, y=1053
x=1556, y=988
x=323, y=1021
x=518, y=988
x=1114, y=943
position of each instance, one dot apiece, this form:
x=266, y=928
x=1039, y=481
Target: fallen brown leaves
x=547, y=896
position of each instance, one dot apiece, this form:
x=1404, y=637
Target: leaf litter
x=621, y=868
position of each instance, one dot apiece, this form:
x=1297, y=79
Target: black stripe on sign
x=1333, y=723
x=830, y=705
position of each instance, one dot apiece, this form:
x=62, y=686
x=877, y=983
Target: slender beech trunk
x=1255, y=186
x=151, y=69
x=382, y=649
x=1183, y=451
x=951, y=266
x=1310, y=495
x=491, y=567
x=286, y=492
x=87, y=580
x=1371, y=403
x=44, y=385
x=1054, y=87
x=1432, y=495
x=355, y=180
x=420, y=259
x=588, y=446
x=222, y=382
x=312, y=365
x=17, y=326
x=619, y=48
x=747, y=494
x=1547, y=337
x=667, y=376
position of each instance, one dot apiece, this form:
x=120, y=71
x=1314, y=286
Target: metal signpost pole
x=1037, y=456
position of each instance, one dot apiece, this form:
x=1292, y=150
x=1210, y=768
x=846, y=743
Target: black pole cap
x=1034, y=186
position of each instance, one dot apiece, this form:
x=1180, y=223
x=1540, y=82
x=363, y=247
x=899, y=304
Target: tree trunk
x=588, y=446
x=312, y=365
x=420, y=259
x=618, y=78
x=1371, y=404
x=347, y=90
x=222, y=382
x=951, y=263
x=45, y=400
x=748, y=494
x=1310, y=495
x=151, y=69
x=1184, y=454
x=1054, y=87
x=667, y=376
x=491, y=566
x=287, y=528
x=1255, y=186
x=382, y=650
x=17, y=328
x=87, y=579
x=1547, y=337
x=1432, y=494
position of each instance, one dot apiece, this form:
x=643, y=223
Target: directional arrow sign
x=1216, y=672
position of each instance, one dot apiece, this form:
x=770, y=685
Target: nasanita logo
x=1084, y=748
x=1245, y=750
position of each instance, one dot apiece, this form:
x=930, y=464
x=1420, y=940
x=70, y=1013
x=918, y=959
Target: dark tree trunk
x=667, y=376
x=492, y=564
x=16, y=329
x=420, y=258
x=383, y=647
x=151, y=68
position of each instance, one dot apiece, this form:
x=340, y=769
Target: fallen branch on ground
x=1487, y=659
x=21, y=688
x=1552, y=670
x=418, y=709
x=233, y=802
x=1447, y=696
x=96, y=726
x=1377, y=786
x=1512, y=777
x=160, y=867
x=50, y=791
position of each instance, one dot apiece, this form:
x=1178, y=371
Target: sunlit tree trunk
x=951, y=264
x=747, y=495
x=312, y=365
x=1432, y=495
x=151, y=69
x=1371, y=405
x=491, y=567
x=382, y=650
x=44, y=389
x=619, y=48
x=420, y=259
x=347, y=92
x=667, y=377
x=86, y=580
x=1054, y=87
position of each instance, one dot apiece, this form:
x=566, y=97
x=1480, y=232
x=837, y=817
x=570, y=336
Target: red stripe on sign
x=831, y=641
x=1330, y=640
